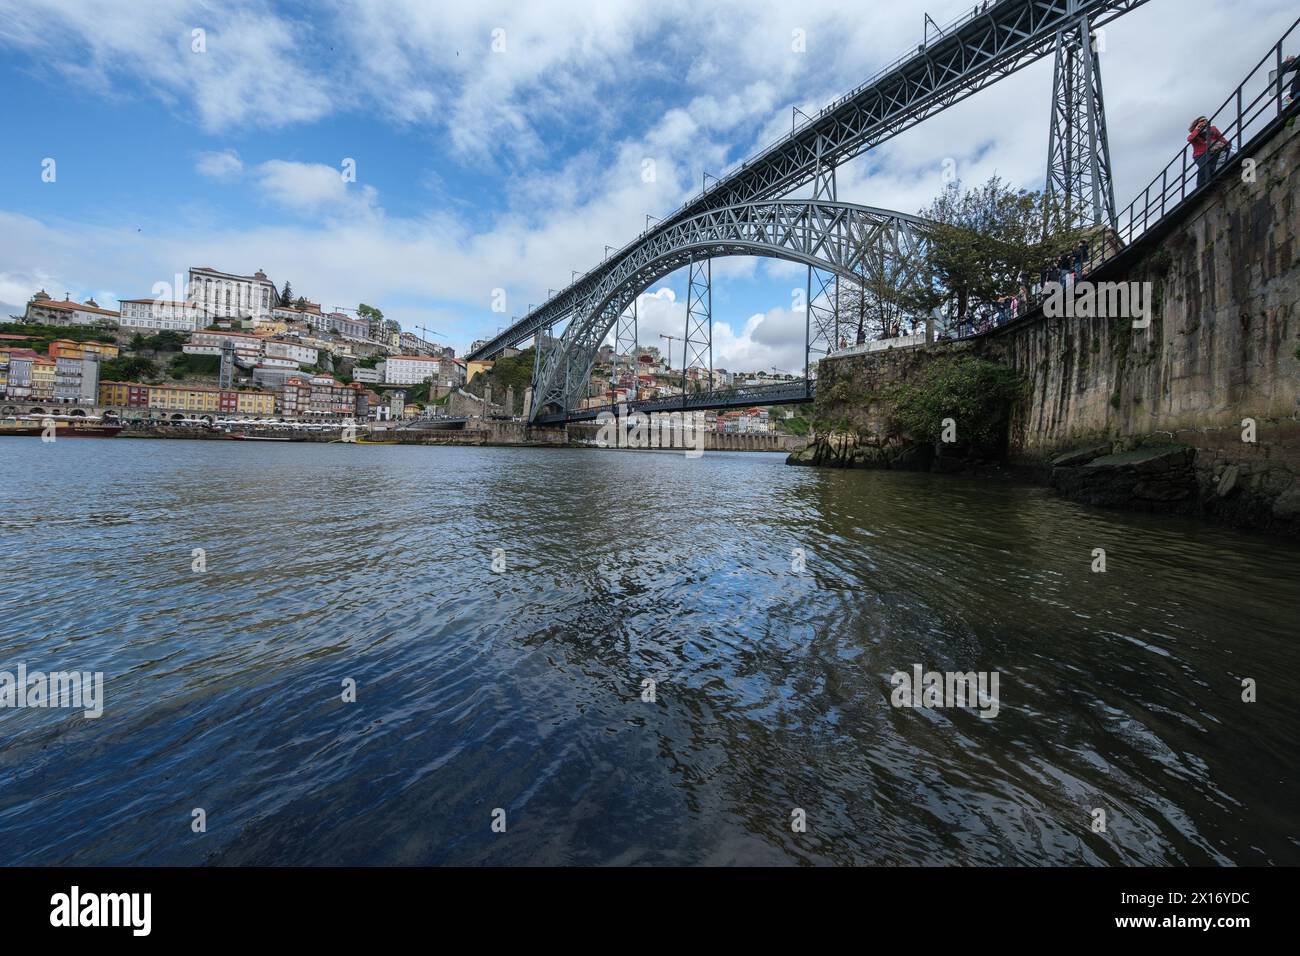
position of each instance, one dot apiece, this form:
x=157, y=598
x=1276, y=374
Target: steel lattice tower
x=1079, y=187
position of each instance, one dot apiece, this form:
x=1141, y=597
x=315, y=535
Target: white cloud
x=224, y=166
x=565, y=118
x=250, y=69
x=311, y=188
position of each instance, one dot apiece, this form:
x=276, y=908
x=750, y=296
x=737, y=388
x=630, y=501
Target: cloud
x=541, y=148
x=228, y=66
x=311, y=188
x=224, y=166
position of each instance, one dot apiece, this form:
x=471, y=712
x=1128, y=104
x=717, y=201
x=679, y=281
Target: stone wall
x=1223, y=346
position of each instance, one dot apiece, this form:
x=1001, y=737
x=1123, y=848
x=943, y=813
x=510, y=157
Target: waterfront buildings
x=187, y=400
x=76, y=380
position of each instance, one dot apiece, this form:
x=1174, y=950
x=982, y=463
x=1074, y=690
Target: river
x=499, y=611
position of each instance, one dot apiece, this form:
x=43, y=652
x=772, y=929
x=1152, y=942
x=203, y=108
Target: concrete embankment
x=1195, y=414
x=487, y=432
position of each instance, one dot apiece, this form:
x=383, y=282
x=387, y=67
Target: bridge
x=749, y=211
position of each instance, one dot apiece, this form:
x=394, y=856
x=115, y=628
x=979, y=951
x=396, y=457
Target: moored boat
x=65, y=426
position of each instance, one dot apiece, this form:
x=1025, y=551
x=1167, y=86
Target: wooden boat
x=376, y=441
x=240, y=436
x=65, y=426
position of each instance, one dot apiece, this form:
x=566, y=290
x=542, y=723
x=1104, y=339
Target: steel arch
x=854, y=241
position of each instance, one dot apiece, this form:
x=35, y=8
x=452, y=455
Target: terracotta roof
x=70, y=306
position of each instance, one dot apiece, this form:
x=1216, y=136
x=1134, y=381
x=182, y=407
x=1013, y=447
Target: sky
x=503, y=145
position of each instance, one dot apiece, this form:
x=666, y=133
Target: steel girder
x=845, y=239
x=989, y=45
x=1079, y=188
x=697, y=349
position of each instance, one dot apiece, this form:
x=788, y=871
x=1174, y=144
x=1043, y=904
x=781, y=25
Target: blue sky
x=482, y=168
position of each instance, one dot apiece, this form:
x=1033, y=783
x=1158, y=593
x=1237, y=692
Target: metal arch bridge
x=990, y=42
x=858, y=242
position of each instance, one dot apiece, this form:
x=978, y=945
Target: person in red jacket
x=1209, y=149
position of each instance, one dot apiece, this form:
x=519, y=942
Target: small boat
x=240, y=436
x=376, y=441
x=65, y=426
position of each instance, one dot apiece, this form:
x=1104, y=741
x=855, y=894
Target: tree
x=286, y=294
x=990, y=242
x=127, y=369
x=370, y=313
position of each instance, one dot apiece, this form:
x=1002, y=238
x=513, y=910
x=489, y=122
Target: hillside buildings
x=48, y=311
x=224, y=294
x=158, y=314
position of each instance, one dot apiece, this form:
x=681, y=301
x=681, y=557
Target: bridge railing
x=1247, y=112
x=1249, y=109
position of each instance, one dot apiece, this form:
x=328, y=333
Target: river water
x=770, y=605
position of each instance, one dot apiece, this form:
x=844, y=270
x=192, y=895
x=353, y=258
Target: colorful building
x=67, y=348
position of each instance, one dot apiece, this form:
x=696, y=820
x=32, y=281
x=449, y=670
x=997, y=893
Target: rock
x=1287, y=504
x=1228, y=481
x=1080, y=456
x=1145, y=478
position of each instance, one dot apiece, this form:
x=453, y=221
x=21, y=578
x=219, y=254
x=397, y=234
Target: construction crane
x=671, y=339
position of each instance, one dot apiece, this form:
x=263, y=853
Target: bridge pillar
x=698, y=352
x=822, y=294
x=625, y=341
x=1079, y=188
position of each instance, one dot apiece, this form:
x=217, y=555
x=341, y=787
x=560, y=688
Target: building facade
x=227, y=295
x=159, y=314
x=48, y=311
x=410, y=369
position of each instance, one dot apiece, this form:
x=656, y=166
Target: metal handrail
x=1248, y=120
x=1135, y=218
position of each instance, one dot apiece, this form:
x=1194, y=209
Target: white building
x=76, y=380
x=43, y=309
x=162, y=314
x=299, y=354
x=367, y=376
x=410, y=369
x=348, y=326
x=247, y=347
x=226, y=295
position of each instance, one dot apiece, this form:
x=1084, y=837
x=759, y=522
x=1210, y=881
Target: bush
x=975, y=393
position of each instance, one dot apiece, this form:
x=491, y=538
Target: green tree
x=975, y=393
x=286, y=294
x=990, y=241
x=127, y=368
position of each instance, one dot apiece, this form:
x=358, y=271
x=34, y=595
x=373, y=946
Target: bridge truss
x=991, y=42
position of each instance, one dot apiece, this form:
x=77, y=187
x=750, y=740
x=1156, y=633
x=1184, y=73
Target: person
x=1065, y=269
x=843, y=343
x=1209, y=149
x=1289, y=65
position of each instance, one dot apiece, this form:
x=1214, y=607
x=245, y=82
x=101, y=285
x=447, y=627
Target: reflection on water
x=522, y=689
